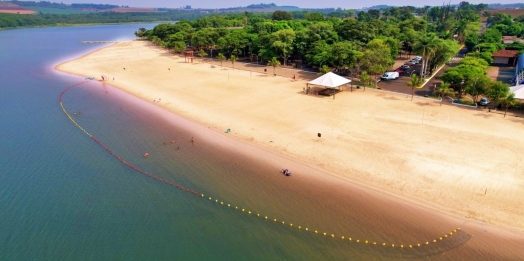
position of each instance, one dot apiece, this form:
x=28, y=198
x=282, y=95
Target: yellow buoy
x=236, y=207
x=392, y=245
x=228, y=205
x=401, y=246
x=458, y=228
x=316, y=232
x=410, y=246
x=282, y=222
x=216, y=200
x=307, y=229
x=450, y=233
x=440, y=238
x=221, y=203
x=299, y=227
x=434, y=241
x=209, y=198
x=350, y=239
x=446, y=236
x=374, y=243
x=258, y=215
x=242, y=210
x=427, y=243
x=358, y=240
x=366, y=242
x=291, y=224
x=249, y=212
x=384, y=244
x=265, y=217
x=275, y=220
x=332, y=235
x=202, y=195
x=342, y=238
x=324, y=233
x=418, y=245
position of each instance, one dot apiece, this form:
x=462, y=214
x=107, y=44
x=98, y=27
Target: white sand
x=440, y=156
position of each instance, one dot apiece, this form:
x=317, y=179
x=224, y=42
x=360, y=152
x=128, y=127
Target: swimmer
x=165, y=142
x=172, y=141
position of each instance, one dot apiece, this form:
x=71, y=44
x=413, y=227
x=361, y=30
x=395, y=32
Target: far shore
x=455, y=160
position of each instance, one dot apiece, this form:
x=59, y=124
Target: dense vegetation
x=368, y=41
x=16, y=20
x=361, y=43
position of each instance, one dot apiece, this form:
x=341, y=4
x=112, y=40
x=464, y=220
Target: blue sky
x=305, y=4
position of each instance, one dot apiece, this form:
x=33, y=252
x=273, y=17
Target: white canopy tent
x=329, y=80
x=518, y=91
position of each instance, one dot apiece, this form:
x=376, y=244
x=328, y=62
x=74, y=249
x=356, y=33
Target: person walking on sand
x=192, y=141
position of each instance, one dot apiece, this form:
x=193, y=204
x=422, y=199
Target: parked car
x=404, y=67
x=484, y=101
x=418, y=58
x=400, y=71
x=389, y=76
x=412, y=62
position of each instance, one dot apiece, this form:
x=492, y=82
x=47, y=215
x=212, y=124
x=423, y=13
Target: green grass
x=465, y=102
x=47, y=10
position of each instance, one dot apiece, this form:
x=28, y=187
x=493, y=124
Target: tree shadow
x=485, y=115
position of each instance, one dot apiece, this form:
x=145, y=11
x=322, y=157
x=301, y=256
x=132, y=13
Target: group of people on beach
x=286, y=172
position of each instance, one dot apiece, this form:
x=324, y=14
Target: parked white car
x=390, y=76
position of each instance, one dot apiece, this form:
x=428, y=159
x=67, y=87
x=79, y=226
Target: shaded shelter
x=330, y=81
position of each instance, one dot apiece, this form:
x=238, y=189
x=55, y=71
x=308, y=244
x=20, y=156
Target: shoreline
x=331, y=170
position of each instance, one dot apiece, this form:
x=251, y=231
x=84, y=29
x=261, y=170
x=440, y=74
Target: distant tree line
x=94, y=6
x=17, y=20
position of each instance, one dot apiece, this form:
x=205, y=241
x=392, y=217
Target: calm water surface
x=62, y=197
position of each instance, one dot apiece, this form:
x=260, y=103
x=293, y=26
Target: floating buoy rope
x=243, y=210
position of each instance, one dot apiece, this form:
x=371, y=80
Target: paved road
x=401, y=86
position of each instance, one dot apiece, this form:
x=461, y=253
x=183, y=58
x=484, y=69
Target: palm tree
x=233, y=59
x=509, y=101
x=444, y=90
x=221, y=58
x=425, y=46
x=414, y=82
x=275, y=63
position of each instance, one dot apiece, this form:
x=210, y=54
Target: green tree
x=275, y=63
x=314, y=16
x=282, y=41
x=202, y=54
x=478, y=86
x=444, y=90
x=233, y=59
x=414, y=82
x=281, y=15
x=221, y=58
x=491, y=35
x=496, y=92
x=343, y=54
x=377, y=58
x=179, y=46
x=365, y=79
x=508, y=101
x=324, y=69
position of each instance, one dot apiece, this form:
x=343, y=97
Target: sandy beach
x=456, y=160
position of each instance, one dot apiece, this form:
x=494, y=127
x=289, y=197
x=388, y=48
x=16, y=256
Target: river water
x=63, y=197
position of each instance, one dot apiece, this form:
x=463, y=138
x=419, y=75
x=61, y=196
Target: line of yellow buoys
x=249, y=212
